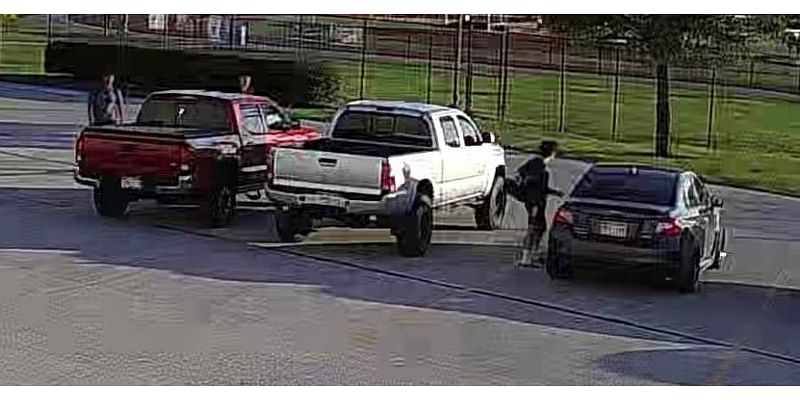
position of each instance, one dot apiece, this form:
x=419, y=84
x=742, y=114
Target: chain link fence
x=529, y=81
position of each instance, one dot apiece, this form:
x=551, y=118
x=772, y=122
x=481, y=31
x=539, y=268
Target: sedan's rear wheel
x=556, y=264
x=687, y=279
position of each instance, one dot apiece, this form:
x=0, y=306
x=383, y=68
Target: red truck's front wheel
x=110, y=200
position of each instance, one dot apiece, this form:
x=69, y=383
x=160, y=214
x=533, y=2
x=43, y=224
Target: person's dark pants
x=537, y=225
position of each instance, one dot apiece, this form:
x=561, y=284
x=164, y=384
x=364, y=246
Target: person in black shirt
x=533, y=187
x=106, y=105
x=245, y=84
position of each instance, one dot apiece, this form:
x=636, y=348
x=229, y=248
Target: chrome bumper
x=397, y=203
x=185, y=184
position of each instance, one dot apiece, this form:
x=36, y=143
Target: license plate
x=613, y=229
x=325, y=201
x=131, y=183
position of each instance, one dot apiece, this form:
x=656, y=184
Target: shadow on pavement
x=52, y=219
x=710, y=366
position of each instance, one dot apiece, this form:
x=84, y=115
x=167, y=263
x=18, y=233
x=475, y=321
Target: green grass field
x=21, y=49
x=758, y=138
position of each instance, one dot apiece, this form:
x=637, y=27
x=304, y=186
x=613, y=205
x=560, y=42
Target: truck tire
x=416, y=229
x=219, y=205
x=293, y=225
x=110, y=200
x=489, y=215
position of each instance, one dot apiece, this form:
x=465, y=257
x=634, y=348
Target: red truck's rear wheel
x=220, y=206
x=110, y=200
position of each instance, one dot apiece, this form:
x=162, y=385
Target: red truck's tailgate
x=120, y=156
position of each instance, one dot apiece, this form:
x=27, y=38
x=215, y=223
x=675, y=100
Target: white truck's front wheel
x=416, y=229
x=489, y=215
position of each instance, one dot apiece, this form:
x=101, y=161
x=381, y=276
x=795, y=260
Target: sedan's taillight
x=563, y=217
x=671, y=228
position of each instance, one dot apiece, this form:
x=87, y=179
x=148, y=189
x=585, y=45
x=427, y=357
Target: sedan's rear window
x=628, y=184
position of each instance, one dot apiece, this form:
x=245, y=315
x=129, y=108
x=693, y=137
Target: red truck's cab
x=197, y=146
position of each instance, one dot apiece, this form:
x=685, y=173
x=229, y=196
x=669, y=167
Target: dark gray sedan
x=626, y=216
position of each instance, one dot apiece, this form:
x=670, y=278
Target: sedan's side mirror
x=488, y=137
x=717, y=202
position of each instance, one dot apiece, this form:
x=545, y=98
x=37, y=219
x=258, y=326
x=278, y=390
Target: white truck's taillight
x=387, y=180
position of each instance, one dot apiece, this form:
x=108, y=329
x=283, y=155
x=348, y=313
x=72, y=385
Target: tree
x=711, y=39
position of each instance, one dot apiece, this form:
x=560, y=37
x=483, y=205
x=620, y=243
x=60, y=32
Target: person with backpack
x=531, y=187
x=106, y=105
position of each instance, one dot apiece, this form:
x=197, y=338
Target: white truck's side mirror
x=488, y=137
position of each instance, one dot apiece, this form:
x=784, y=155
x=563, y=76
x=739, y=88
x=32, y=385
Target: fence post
x=615, y=107
x=49, y=27
x=457, y=66
x=562, y=87
x=363, y=60
x=430, y=65
x=752, y=71
x=500, y=71
x=468, y=105
x=506, y=44
x=711, y=108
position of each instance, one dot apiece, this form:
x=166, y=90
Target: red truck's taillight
x=79, y=149
x=387, y=180
x=186, y=160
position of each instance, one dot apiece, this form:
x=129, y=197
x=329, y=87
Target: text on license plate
x=613, y=229
x=131, y=183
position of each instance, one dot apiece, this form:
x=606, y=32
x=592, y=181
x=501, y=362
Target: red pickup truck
x=191, y=146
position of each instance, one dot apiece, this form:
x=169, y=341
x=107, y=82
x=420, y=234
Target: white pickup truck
x=389, y=164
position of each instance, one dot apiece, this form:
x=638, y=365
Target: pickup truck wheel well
x=500, y=171
x=425, y=187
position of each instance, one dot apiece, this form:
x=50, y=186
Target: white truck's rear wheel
x=292, y=225
x=414, y=234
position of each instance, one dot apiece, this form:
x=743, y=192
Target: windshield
x=618, y=184
x=383, y=128
x=184, y=112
